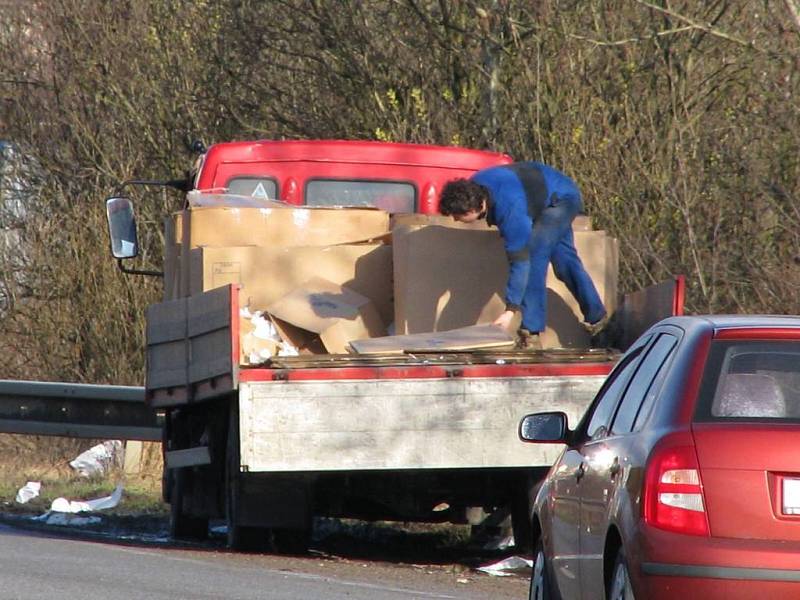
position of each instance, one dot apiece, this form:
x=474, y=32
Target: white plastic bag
x=99, y=459
x=29, y=491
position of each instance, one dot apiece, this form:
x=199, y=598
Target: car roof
x=722, y=322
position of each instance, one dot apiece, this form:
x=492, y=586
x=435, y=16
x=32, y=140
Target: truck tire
x=181, y=525
x=242, y=538
x=521, y=512
x=291, y=541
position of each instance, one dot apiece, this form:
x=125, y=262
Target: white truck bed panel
x=401, y=424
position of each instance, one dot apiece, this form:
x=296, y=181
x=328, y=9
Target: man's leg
x=551, y=226
x=568, y=268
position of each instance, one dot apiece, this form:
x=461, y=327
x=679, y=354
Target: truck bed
x=194, y=355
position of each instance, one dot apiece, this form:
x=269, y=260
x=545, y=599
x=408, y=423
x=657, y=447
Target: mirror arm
x=125, y=269
x=182, y=185
x=569, y=436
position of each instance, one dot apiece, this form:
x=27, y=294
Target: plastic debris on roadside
x=62, y=505
x=499, y=543
x=54, y=518
x=508, y=566
x=99, y=459
x=28, y=492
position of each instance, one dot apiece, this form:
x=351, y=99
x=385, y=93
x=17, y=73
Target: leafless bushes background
x=677, y=117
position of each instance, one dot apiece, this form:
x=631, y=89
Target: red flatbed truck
x=412, y=437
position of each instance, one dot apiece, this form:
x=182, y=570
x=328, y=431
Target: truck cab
x=398, y=178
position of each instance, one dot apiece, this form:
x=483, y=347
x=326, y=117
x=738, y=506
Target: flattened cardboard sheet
x=333, y=312
x=475, y=337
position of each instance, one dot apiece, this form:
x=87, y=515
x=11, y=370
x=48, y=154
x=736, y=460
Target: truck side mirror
x=547, y=427
x=122, y=227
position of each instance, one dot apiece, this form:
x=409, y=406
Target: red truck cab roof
x=320, y=172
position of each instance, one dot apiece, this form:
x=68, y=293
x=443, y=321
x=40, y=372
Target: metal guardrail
x=77, y=410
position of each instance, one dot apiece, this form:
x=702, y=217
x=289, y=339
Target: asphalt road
x=41, y=565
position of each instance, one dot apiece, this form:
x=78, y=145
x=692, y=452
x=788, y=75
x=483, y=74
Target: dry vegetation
x=677, y=117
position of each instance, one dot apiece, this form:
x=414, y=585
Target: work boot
x=527, y=340
x=595, y=328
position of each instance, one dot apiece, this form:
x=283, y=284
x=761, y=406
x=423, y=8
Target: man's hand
x=504, y=320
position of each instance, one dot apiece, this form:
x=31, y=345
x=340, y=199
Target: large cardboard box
x=298, y=226
x=321, y=308
x=446, y=278
x=581, y=222
x=267, y=274
x=216, y=227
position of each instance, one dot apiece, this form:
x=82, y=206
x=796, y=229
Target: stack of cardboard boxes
x=328, y=276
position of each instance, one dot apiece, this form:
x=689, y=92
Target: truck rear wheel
x=240, y=537
x=181, y=525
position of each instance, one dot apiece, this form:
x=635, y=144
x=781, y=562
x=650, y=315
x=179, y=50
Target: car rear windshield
x=751, y=380
x=391, y=196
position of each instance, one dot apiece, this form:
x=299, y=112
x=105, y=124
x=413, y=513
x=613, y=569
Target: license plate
x=791, y=496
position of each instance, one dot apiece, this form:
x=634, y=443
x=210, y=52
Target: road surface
x=43, y=565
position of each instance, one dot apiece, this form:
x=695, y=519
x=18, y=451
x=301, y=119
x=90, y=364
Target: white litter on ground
x=507, y=566
x=29, y=491
x=54, y=518
x=99, y=459
x=62, y=505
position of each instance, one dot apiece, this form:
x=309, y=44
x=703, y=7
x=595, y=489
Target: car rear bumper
x=714, y=572
x=727, y=568
x=658, y=587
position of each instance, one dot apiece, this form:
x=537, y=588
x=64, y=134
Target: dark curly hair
x=460, y=196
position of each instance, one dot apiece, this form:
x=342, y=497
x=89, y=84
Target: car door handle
x=580, y=472
x=615, y=468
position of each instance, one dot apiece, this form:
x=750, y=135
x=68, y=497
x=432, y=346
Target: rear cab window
x=257, y=187
x=391, y=196
x=751, y=381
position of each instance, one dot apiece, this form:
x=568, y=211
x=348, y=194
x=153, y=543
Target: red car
x=683, y=478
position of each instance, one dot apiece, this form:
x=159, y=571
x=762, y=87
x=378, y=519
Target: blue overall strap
x=534, y=186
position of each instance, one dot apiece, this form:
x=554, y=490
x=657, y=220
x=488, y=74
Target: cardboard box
x=222, y=226
x=476, y=337
x=321, y=308
x=284, y=227
x=267, y=274
x=581, y=222
x=446, y=278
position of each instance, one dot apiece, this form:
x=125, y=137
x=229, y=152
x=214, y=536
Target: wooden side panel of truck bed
x=395, y=424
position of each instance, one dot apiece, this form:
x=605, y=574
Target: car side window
x=604, y=406
x=644, y=385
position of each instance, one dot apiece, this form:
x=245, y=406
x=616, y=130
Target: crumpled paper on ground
x=28, y=492
x=507, y=566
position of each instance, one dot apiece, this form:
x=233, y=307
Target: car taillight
x=673, y=494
